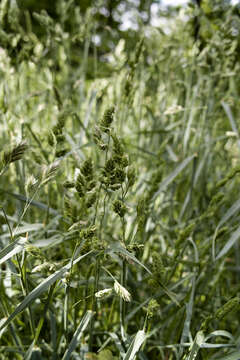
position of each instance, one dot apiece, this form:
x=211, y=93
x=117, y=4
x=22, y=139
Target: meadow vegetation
x=119, y=227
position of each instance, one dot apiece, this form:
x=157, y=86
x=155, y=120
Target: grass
x=119, y=199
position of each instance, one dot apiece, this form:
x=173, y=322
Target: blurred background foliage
x=104, y=22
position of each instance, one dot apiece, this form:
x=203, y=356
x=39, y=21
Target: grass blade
x=78, y=333
x=35, y=293
x=232, y=356
x=198, y=341
x=135, y=345
x=37, y=204
x=164, y=184
x=231, y=120
x=219, y=333
x=117, y=343
x=233, y=209
x=234, y=237
x=186, y=334
x=12, y=249
x=117, y=248
x=120, y=249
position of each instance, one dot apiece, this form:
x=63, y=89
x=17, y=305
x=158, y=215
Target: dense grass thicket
x=119, y=192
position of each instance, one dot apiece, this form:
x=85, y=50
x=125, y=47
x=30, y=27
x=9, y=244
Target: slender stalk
x=94, y=301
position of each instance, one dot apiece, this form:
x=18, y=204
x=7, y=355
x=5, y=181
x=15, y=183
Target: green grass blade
x=12, y=249
x=198, y=341
x=233, y=209
x=35, y=203
x=117, y=343
x=231, y=120
x=164, y=184
x=117, y=248
x=78, y=333
x=35, y=293
x=219, y=333
x=28, y=228
x=232, y=356
x=24, y=229
x=135, y=345
x=234, y=237
x=120, y=249
x=28, y=354
x=189, y=311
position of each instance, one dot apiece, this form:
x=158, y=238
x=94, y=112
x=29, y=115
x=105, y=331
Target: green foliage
x=119, y=226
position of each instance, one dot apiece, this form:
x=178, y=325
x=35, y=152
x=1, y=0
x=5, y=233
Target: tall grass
x=119, y=197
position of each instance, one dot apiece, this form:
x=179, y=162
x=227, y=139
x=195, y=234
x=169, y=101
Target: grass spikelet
x=15, y=154
x=122, y=291
x=49, y=172
x=31, y=185
x=120, y=208
x=102, y=294
x=106, y=121
x=232, y=305
x=153, y=306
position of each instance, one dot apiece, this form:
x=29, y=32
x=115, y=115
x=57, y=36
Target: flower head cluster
x=158, y=270
x=107, y=120
x=152, y=308
x=86, y=183
x=120, y=208
x=104, y=128
x=15, y=154
x=56, y=137
x=114, y=172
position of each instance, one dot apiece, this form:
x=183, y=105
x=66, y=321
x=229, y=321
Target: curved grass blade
x=231, y=211
x=135, y=345
x=35, y=203
x=198, y=341
x=35, y=293
x=234, y=237
x=28, y=228
x=173, y=175
x=117, y=343
x=117, y=248
x=223, y=333
x=28, y=354
x=233, y=356
x=12, y=249
x=78, y=333
x=24, y=229
x=3, y=330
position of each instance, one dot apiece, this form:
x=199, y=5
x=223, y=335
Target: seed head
x=107, y=120
x=103, y=293
x=119, y=207
x=121, y=291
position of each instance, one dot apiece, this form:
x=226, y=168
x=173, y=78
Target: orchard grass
x=119, y=196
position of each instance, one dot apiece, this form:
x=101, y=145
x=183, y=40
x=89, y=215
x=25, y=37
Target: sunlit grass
x=119, y=201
